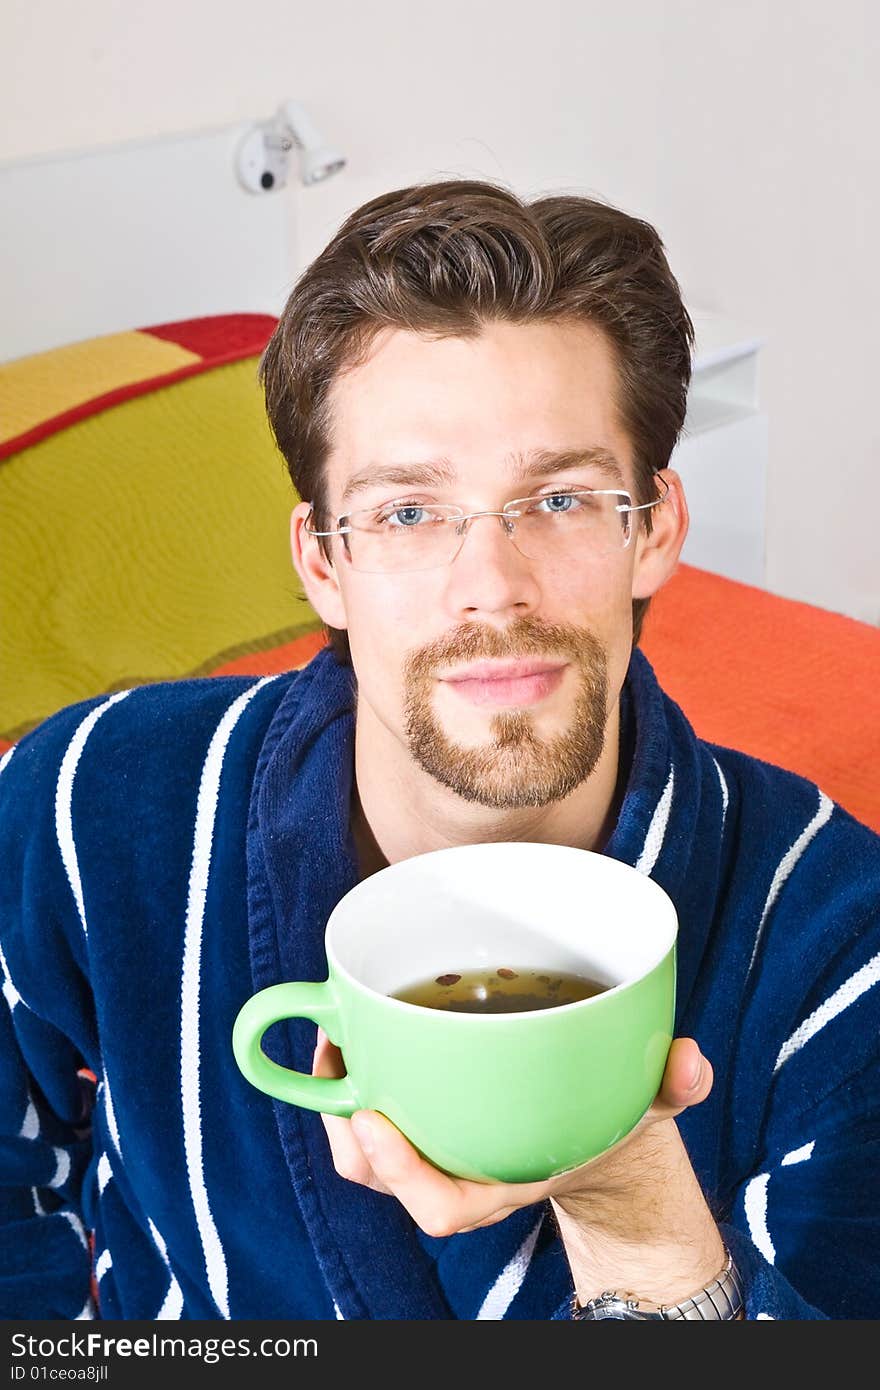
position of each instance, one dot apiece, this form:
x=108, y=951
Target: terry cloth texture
x=170, y=849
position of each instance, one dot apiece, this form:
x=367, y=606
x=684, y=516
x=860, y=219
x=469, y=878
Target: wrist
x=656, y=1271
x=642, y=1225
x=721, y=1299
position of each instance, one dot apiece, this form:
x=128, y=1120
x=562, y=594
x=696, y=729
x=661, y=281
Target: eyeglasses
x=403, y=536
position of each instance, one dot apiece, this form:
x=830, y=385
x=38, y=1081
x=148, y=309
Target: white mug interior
x=519, y=905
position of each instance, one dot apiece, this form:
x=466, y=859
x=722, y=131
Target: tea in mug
x=499, y=991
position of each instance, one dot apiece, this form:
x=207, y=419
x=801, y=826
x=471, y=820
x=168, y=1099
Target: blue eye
x=558, y=502
x=406, y=516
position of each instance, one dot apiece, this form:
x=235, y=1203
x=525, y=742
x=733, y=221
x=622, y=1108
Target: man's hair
x=445, y=258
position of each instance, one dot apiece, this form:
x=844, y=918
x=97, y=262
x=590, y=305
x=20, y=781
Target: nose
x=489, y=574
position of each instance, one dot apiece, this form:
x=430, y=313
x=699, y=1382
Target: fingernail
x=697, y=1073
x=363, y=1133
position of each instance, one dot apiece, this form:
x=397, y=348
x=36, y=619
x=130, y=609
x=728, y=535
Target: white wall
x=747, y=134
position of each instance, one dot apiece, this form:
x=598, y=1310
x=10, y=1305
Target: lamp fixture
x=263, y=160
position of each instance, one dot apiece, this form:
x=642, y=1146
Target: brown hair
x=443, y=259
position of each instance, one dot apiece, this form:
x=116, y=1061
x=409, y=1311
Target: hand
x=370, y=1150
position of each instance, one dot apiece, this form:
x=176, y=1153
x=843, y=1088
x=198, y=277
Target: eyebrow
x=538, y=463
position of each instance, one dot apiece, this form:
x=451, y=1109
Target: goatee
x=515, y=768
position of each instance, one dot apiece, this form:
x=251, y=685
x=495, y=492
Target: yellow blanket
x=145, y=516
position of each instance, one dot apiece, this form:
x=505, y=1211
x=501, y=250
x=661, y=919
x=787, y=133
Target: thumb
x=687, y=1079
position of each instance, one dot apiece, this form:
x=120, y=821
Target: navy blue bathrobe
x=167, y=851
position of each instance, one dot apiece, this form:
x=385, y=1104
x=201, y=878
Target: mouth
x=506, y=683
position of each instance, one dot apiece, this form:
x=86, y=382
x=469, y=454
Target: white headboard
x=133, y=235
x=149, y=232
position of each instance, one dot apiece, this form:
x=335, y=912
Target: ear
x=657, y=554
x=319, y=578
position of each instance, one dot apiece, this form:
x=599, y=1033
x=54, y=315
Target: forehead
x=478, y=403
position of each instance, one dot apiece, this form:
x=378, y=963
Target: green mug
x=508, y=1096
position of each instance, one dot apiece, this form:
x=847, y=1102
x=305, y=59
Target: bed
x=145, y=538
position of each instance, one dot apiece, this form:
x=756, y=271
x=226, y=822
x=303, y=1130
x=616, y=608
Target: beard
x=515, y=768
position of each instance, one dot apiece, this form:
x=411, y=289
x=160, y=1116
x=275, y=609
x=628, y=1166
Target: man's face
x=496, y=673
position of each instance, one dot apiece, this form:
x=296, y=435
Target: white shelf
x=723, y=453
x=724, y=383
x=708, y=412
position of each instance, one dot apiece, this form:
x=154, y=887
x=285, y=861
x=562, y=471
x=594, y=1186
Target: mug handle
x=293, y=999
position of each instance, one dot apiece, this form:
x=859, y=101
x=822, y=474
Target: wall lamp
x=264, y=155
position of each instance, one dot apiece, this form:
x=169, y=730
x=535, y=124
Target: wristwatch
x=718, y=1301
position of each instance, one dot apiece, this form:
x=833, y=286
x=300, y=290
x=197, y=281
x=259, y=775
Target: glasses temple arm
x=644, y=506
x=340, y=530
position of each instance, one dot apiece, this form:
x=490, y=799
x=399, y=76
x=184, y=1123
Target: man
x=477, y=400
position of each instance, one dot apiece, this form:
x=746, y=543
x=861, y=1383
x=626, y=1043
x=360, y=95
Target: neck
x=398, y=810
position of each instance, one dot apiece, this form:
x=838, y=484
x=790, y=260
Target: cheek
x=380, y=608
x=600, y=598
x=597, y=596
x=385, y=622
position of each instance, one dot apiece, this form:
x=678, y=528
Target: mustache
x=522, y=637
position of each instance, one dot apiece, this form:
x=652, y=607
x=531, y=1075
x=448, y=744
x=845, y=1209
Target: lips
x=506, y=683
x=503, y=670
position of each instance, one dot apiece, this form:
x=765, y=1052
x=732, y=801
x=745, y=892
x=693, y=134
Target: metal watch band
x=719, y=1301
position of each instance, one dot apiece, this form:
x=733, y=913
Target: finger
x=328, y=1060
x=349, y=1159
x=439, y=1203
x=490, y=1220
x=687, y=1079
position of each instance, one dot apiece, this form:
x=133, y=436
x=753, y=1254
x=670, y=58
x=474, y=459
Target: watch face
x=721, y=1300
x=610, y=1305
